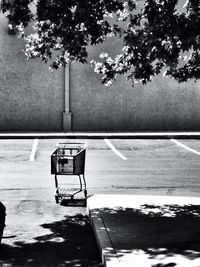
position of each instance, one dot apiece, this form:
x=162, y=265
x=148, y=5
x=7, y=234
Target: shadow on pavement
x=82, y=202
x=70, y=243
x=157, y=236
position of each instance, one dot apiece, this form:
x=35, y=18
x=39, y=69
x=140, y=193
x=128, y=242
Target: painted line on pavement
x=114, y=149
x=186, y=147
x=34, y=148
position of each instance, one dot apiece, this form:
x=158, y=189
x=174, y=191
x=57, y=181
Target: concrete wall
x=94, y=106
x=160, y=105
x=163, y=105
x=31, y=97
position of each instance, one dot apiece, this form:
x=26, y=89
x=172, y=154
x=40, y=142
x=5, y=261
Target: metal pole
x=67, y=115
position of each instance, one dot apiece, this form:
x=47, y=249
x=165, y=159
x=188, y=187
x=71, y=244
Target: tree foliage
x=162, y=36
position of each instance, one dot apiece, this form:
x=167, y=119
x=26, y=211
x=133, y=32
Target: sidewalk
x=144, y=231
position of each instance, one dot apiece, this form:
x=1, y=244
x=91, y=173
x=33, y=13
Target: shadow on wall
x=156, y=236
x=71, y=243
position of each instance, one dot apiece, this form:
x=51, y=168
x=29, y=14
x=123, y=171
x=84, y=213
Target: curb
x=100, y=135
x=103, y=240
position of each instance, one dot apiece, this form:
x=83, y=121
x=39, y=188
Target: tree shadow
x=164, y=236
x=70, y=243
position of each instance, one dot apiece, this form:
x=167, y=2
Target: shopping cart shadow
x=74, y=202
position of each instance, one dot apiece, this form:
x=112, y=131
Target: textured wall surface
x=160, y=105
x=163, y=105
x=31, y=97
x=94, y=106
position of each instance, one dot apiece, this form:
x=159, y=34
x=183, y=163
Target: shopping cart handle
x=63, y=161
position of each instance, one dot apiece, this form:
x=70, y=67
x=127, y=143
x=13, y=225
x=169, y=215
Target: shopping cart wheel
x=57, y=199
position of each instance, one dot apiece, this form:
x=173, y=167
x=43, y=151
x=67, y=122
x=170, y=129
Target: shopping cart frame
x=69, y=159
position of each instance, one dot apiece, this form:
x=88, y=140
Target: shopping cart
x=69, y=159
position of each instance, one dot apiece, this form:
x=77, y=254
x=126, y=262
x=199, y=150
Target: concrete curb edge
x=100, y=135
x=104, y=243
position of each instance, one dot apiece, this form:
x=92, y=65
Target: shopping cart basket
x=69, y=159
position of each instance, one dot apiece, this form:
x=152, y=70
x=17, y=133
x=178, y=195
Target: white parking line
x=186, y=147
x=114, y=149
x=34, y=148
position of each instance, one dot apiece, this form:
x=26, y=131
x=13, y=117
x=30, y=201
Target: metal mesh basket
x=68, y=158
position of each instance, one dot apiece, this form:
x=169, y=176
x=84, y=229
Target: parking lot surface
x=39, y=232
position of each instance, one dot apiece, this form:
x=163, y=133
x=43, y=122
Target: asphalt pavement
x=40, y=232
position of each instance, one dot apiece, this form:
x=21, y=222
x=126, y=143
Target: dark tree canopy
x=162, y=36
